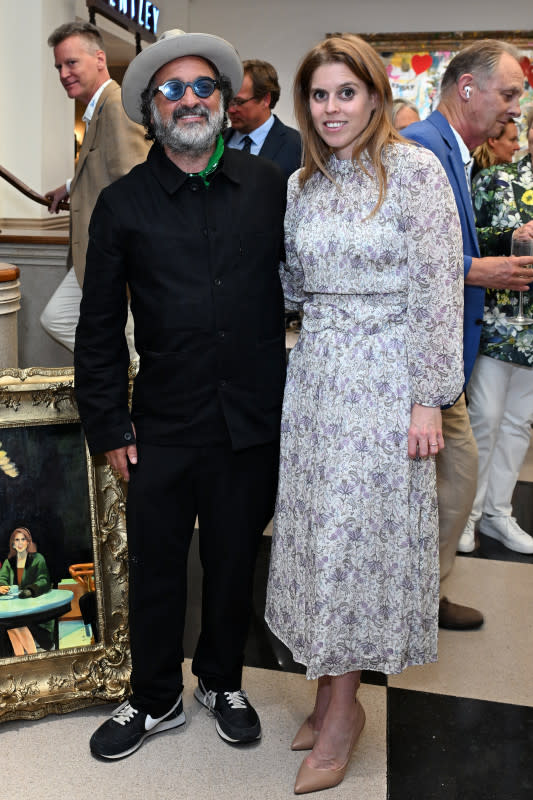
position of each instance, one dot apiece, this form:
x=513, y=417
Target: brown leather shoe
x=458, y=618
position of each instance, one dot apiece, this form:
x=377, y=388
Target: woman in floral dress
x=374, y=258
x=500, y=390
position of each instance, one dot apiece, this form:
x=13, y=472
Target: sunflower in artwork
x=6, y=465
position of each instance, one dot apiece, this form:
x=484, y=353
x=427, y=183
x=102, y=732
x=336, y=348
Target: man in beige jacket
x=111, y=147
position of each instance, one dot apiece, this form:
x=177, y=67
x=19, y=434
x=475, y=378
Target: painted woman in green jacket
x=26, y=568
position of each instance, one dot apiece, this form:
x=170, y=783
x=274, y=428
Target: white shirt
x=465, y=155
x=88, y=115
x=258, y=137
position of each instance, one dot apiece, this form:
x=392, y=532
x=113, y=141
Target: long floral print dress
x=354, y=577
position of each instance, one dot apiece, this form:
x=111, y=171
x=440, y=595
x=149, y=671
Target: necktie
x=247, y=143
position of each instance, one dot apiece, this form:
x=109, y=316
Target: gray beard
x=195, y=138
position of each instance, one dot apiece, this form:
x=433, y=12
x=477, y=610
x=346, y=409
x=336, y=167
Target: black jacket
x=202, y=268
x=283, y=146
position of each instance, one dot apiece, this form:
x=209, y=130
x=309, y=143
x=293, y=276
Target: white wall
x=36, y=143
x=282, y=31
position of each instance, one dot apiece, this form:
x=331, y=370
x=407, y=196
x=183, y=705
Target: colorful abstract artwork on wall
x=416, y=63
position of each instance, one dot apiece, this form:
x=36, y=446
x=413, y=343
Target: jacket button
x=194, y=187
x=128, y=437
x=221, y=334
x=217, y=282
x=222, y=382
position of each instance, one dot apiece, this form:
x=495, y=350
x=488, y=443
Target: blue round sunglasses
x=175, y=89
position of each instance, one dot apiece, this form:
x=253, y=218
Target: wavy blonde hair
x=366, y=64
x=484, y=155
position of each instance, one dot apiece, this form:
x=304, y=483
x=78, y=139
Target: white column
x=9, y=305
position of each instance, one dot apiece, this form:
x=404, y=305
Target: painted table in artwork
x=15, y=612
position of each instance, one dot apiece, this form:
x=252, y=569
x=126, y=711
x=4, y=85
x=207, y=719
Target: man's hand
x=120, y=458
x=501, y=272
x=524, y=232
x=56, y=196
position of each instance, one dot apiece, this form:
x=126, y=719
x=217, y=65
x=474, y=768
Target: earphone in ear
x=467, y=92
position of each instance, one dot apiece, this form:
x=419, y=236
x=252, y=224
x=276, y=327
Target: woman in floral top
x=500, y=390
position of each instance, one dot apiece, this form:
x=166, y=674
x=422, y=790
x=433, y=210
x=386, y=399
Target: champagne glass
x=521, y=247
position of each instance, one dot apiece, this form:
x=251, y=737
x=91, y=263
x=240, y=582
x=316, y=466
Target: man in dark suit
x=480, y=91
x=253, y=125
x=197, y=233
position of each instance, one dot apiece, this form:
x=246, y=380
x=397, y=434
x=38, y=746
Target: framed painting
x=73, y=508
x=416, y=62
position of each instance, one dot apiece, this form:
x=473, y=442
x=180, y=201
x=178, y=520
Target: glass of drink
x=521, y=247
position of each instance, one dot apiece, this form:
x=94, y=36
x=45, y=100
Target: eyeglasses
x=175, y=89
x=238, y=101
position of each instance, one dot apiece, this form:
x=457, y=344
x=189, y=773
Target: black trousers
x=233, y=495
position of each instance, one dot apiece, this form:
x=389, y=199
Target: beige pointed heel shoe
x=305, y=738
x=310, y=779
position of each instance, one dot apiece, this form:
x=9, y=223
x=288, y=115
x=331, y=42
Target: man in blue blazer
x=253, y=125
x=479, y=94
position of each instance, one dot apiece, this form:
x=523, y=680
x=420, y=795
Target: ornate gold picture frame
x=443, y=40
x=41, y=401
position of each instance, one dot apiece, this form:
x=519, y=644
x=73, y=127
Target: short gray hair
x=88, y=32
x=480, y=58
x=398, y=104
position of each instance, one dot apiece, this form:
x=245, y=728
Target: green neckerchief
x=212, y=164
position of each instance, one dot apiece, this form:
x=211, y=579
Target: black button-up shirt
x=202, y=268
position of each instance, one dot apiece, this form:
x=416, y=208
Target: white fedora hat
x=175, y=44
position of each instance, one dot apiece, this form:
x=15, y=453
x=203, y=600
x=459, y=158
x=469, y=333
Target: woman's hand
x=4, y=589
x=425, y=432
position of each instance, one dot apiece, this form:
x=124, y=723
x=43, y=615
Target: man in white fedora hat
x=196, y=232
